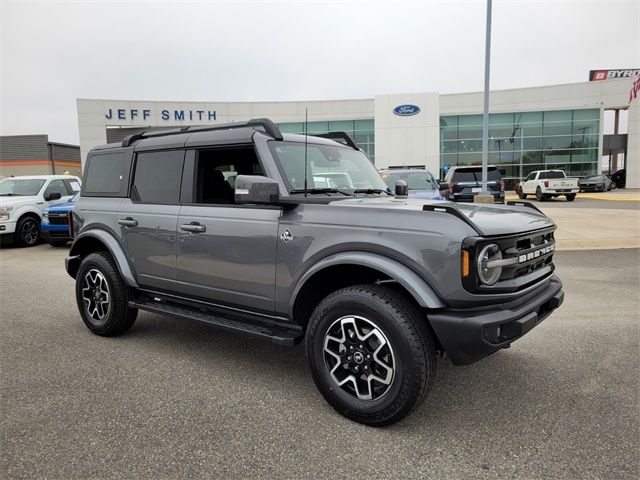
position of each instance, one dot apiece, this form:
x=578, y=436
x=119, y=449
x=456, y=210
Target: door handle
x=193, y=227
x=128, y=222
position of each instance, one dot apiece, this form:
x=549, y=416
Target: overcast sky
x=55, y=52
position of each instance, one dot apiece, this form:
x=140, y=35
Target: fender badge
x=286, y=236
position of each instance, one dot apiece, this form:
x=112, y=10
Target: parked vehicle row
x=23, y=200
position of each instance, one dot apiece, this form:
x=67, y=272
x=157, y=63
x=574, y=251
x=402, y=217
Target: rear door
x=226, y=252
x=148, y=219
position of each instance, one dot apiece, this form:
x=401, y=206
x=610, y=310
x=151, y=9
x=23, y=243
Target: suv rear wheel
x=103, y=297
x=371, y=354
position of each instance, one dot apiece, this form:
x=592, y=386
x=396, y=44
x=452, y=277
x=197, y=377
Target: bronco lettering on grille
x=536, y=253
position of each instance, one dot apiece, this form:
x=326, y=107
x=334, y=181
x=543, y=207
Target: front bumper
x=471, y=334
x=7, y=227
x=55, y=235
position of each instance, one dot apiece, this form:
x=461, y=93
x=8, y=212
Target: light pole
x=485, y=113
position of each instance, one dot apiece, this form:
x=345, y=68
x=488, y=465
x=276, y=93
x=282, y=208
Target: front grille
x=528, y=260
x=531, y=252
x=59, y=220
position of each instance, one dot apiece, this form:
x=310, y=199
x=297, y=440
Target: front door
x=148, y=219
x=226, y=252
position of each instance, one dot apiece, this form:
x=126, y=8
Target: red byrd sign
x=597, y=75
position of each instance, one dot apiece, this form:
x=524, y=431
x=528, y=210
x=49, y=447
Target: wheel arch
x=30, y=213
x=100, y=241
x=346, y=269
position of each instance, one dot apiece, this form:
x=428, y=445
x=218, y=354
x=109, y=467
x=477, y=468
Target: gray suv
x=376, y=284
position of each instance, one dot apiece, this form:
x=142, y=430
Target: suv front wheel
x=371, y=354
x=103, y=297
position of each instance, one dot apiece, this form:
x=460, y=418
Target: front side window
x=157, y=177
x=217, y=170
x=18, y=187
x=328, y=166
x=56, y=186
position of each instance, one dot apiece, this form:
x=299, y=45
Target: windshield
x=20, y=186
x=595, y=178
x=328, y=167
x=415, y=180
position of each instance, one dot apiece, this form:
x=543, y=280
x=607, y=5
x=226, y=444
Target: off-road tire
x=541, y=197
x=27, y=232
x=414, y=353
x=119, y=317
x=570, y=197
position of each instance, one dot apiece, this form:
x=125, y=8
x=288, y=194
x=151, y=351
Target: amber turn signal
x=465, y=263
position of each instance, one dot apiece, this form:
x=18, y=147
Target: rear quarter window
x=107, y=174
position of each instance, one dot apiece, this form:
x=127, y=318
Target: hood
x=18, y=200
x=490, y=220
x=61, y=207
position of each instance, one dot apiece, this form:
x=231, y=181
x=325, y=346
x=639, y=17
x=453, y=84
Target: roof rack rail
x=269, y=127
x=524, y=204
x=346, y=139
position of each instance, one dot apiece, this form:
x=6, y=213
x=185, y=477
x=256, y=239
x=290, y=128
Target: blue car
x=54, y=227
x=420, y=182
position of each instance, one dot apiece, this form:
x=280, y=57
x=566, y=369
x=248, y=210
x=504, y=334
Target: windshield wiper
x=320, y=190
x=10, y=195
x=371, y=190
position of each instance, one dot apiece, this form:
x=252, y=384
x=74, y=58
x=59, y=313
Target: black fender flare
x=112, y=245
x=419, y=289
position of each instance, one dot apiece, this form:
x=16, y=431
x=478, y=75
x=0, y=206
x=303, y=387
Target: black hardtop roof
x=227, y=133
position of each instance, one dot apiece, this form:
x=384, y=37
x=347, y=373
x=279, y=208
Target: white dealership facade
x=558, y=126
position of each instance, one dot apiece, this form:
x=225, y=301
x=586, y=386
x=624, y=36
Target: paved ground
x=174, y=399
x=606, y=220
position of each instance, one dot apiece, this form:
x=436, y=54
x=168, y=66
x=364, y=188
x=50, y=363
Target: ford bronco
x=377, y=285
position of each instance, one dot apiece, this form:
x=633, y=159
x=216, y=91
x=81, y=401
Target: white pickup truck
x=22, y=200
x=545, y=184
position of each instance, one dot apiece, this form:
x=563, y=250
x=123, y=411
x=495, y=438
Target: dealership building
x=557, y=126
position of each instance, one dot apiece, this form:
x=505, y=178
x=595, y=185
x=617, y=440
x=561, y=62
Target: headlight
x=4, y=212
x=488, y=271
x=45, y=214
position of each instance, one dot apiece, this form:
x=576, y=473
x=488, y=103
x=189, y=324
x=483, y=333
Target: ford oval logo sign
x=406, y=110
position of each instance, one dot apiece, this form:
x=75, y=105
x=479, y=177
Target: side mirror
x=402, y=189
x=256, y=189
x=52, y=196
x=443, y=185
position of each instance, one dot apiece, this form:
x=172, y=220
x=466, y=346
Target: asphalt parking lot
x=180, y=400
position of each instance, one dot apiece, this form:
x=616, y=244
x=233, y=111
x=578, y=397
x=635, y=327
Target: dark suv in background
x=376, y=285
x=466, y=182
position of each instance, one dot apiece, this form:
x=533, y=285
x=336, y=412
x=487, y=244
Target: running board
x=278, y=335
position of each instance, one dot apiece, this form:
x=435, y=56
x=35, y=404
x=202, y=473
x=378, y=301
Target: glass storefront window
x=521, y=142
